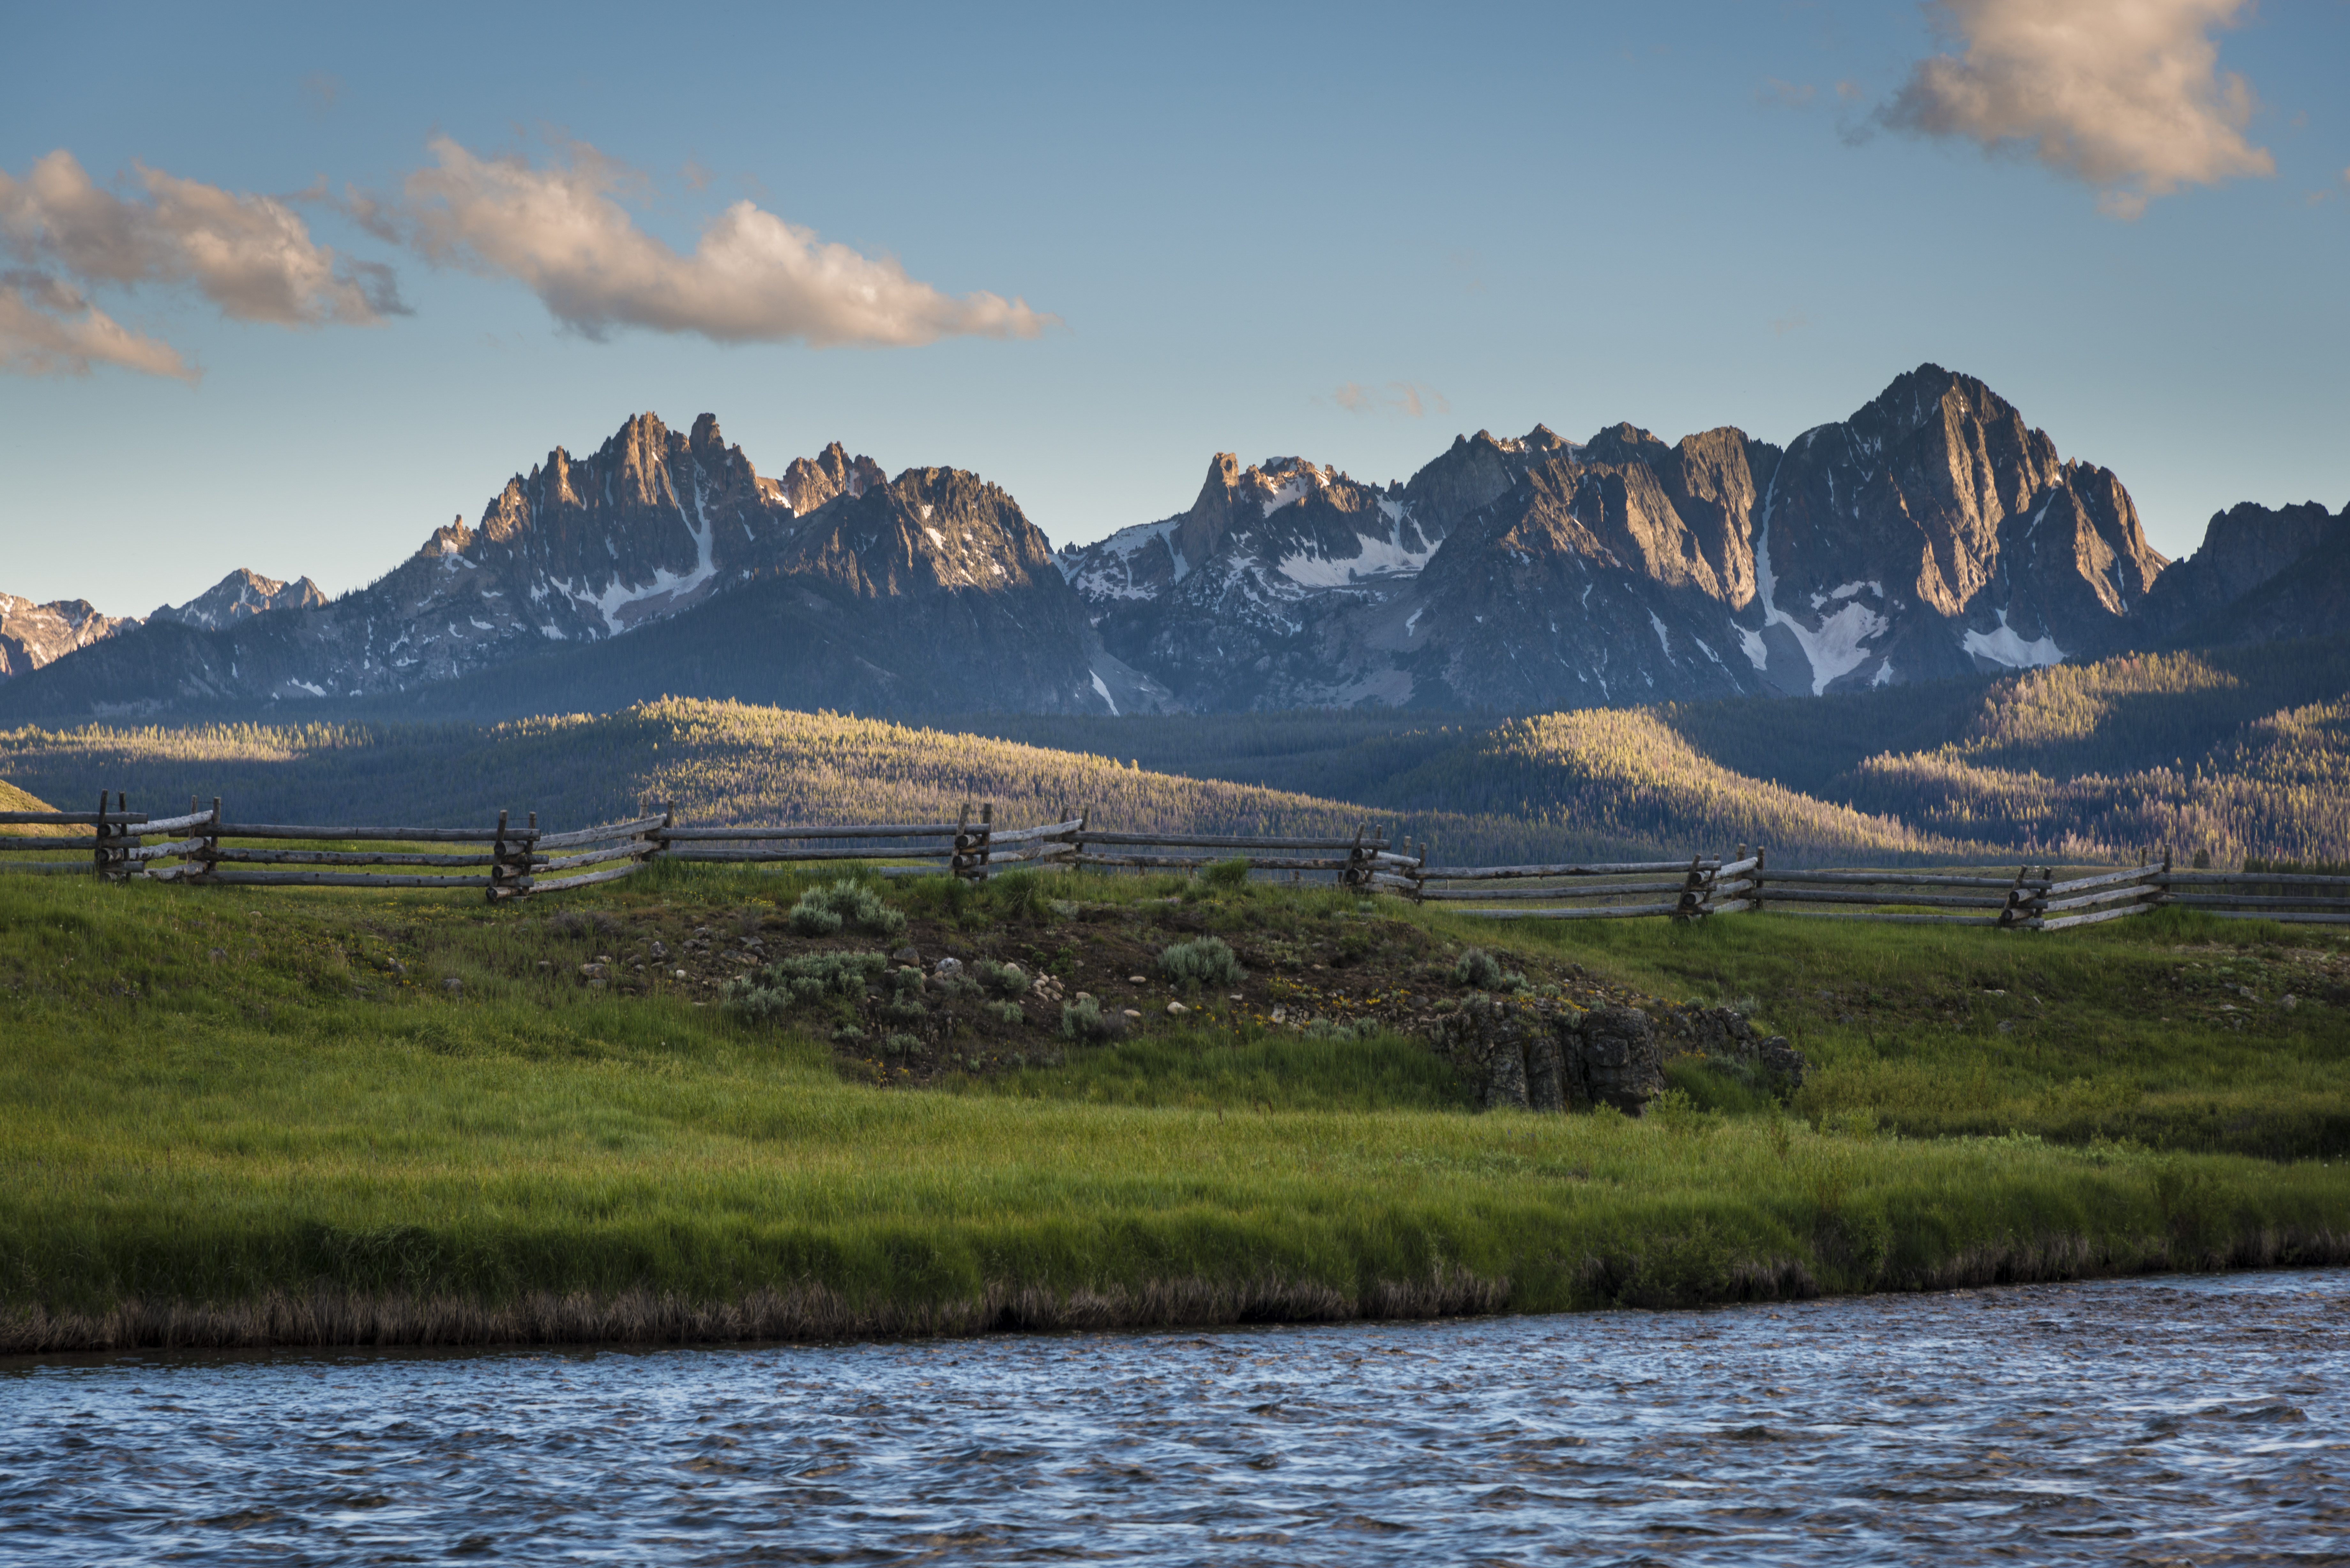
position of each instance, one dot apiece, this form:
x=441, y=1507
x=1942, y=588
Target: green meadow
x=250, y=1116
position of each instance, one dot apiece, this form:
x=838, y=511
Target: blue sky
x=1219, y=220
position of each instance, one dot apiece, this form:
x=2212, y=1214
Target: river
x=2199, y=1420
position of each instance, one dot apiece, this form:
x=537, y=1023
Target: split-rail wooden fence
x=507, y=860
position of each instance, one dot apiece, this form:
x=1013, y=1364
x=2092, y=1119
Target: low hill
x=14, y=799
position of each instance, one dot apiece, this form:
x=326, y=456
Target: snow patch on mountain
x=1378, y=557
x=2004, y=644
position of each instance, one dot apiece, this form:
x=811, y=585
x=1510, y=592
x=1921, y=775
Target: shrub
x=822, y=911
x=1480, y=970
x=1007, y=1013
x=1019, y=895
x=903, y=1001
x=900, y=1045
x=1225, y=874
x=1005, y=979
x=1206, y=962
x=773, y=990
x=1084, y=1020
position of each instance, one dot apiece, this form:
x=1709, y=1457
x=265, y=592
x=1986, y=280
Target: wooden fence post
x=987, y=834
x=1693, y=889
x=1761, y=858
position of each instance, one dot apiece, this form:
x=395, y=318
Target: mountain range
x=1934, y=532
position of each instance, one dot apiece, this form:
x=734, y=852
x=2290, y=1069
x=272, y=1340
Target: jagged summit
x=1933, y=532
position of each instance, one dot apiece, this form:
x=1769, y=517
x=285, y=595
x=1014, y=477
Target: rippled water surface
x=2182, y=1419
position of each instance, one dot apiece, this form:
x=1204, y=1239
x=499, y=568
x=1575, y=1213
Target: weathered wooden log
x=854, y=830
x=15, y=846
x=2084, y=900
x=1227, y=841
x=1000, y=837
x=594, y=858
x=2107, y=880
x=1883, y=917
x=2284, y=919
x=1732, y=906
x=68, y=818
x=2090, y=919
x=175, y=824
x=1887, y=879
x=238, y=854
x=1179, y=862
x=341, y=879
x=366, y=835
x=1487, y=873
x=2253, y=901
x=1595, y=890
x=793, y=856
x=1780, y=895
x=585, y=878
x=1614, y=912
x=610, y=830
x=170, y=850
x=2236, y=879
x=1738, y=868
x=51, y=868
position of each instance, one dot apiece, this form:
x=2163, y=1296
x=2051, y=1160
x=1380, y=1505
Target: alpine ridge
x=1933, y=532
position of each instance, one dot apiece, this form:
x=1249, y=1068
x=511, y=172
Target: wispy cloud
x=2124, y=95
x=561, y=230
x=49, y=328
x=1413, y=399
x=1793, y=321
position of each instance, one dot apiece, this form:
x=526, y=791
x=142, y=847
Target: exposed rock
x=1542, y=1055
x=34, y=635
x=241, y=592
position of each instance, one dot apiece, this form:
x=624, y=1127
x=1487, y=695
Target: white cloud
x=752, y=277
x=250, y=255
x=2124, y=95
x=48, y=328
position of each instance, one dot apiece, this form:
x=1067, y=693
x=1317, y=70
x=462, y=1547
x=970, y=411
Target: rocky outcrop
x=32, y=635
x=1527, y=1053
x=2262, y=575
x=241, y=592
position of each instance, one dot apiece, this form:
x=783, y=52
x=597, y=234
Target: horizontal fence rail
x=503, y=860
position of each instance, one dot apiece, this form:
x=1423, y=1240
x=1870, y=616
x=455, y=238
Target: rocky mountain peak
x=808, y=484
x=246, y=593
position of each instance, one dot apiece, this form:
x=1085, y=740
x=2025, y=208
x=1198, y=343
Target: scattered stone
x=905, y=956
x=948, y=966
x=661, y=949
x=453, y=986
x=546, y=965
x=2288, y=1002
x=680, y=974
x=1132, y=1012
x=593, y=972
x=1176, y=1010
x=600, y=957
x=1236, y=996
x=1137, y=980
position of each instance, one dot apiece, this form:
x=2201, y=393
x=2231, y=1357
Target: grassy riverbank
x=239, y=1119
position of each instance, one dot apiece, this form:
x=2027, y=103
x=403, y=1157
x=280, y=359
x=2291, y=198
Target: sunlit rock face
x=1932, y=533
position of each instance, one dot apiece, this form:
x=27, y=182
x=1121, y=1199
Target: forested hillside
x=2239, y=752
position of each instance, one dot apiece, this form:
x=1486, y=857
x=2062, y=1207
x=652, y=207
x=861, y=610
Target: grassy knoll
x=238, y=1115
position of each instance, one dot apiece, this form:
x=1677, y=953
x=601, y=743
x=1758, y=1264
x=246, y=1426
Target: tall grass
x=223, y=1118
